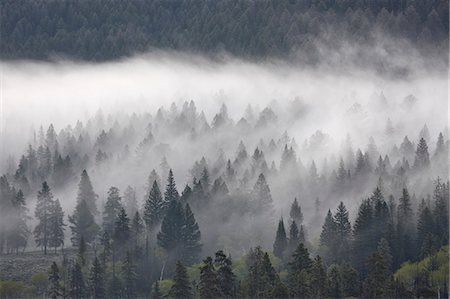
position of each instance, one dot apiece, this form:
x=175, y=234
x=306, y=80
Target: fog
x=355, y=102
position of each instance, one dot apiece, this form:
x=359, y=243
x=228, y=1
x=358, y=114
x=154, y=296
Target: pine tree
x=129, y=197
x=112, y=209
x=334, y=281
x=19, y=232
x=422, y=159
x=43, y=208
x=294, y=238
x=83, y=224
x=170, y=237
x=76, y=282
x=205, y=179
x=191, y=237
x=225, y=275
x=56, y=223
x=296, y=212
x=350, y=281
x=82, y=251
x=328, y=237
x=343, y=231
x=441, y=211
x=318, y=279
x=209, y=283
x=171, y=192
x=299, y=273
x=129, y=276
x=121, y=232
x=261, y=194
x=153, y=207
x=86, y=193
x=54, y=280
x=363, y=230
x=181, y=287
x=376, y=283
x=280, y=244
x=97, y=280
x=136, y=230
x=404, y=227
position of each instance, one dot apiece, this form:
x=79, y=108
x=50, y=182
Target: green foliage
x=12, y=289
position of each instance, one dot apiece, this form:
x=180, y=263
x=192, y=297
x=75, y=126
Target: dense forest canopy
x=288, y=29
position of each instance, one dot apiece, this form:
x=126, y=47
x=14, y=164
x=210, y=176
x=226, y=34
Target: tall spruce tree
x=299, y=272
x=225, y=275
x=82, y=224
x=111, y=210
x=441, y=211
x=129, y=276
x=191, y=238
x=328, y=237
x=181, y=288
x=154, y=207
x=261, y=194
x=281, y=243
x=318, y=279
x=362, y=231
x=19, y=231
x=97, y=280
x=56, y=223
x=55, y=289
x=86, y=193
x=171, y=192
x=376, y=283
x=343, y=231
x=294, y=238
x=171, y=236
x=76, y=282
x=405, y=227
x=43, y=209
x=422, y=159
x=209, y=282
x=296, y=212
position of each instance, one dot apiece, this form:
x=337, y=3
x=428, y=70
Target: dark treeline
x=396, y=246
x=104, y=30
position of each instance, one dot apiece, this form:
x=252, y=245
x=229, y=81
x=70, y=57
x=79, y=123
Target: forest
x=252, y=220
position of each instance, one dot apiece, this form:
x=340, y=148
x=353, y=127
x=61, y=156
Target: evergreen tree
x=76, y=282
x=97, y=279
x=136, y=230
x=363, y=241
x=350, y=281
x=153, y=207
x=121, y=232
x=191, y=237
x=171, y=236
x=56, y=223
x=129, y=276
x=334, y=281
x=209, y=282
x=343, y=231
x=261, y=194
x=82, y=251
x=43, y=209
x=131, y=205
x=405, y=227
x=318, y=279
x=280, y=244
x=86, y=193
x=376, y=283
x=441, y=211
x=296, y=212
x=205, y=179
x=225, y=275
x=19, y=232
x=328, y=237
x=54, y=280
x=422, y=159
x=294, y=238
x=181, y=287
x=82, y=224
x=171, y=192
x=112, y=209
x=299, y=273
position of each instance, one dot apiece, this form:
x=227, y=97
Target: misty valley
x=224, y=149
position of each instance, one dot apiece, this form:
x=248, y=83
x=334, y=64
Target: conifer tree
x=205, y=179
x=121, y=232
x=43, y=208
x=76, y=282
x=405, y=227
x=82, y=251
x=294, y=238
x=225, y=275
x=299, y=273
x=56, y=222
x=129, y=197
x=441, y=211
x=422, y=159
x=209, y=283
x=153, y=207
x=181, y=288
x=97, y=279
x=86, y=193
x=296, y=212
x=318, y=279
x=82, y=224
x=334, y=281
x=376, y=283
x=136, y=230
x=280, y=244
x=350, y=281
x=363, y=241
x=328, y=236
x=171, y=236
x=129, y=276
x=191, y=237
x=171, y=192
x=261, y=194
x=54, y=280
x=112, y=209
x=19, y=232
x=343, y=231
